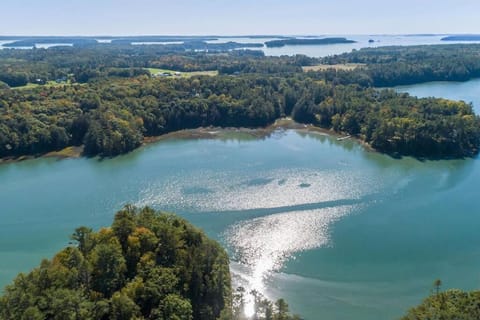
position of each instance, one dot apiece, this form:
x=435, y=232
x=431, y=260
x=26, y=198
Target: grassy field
x=154, y=71
x=323, y=67
x=46, y=85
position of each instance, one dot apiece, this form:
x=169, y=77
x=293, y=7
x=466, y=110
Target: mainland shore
x=211, y=132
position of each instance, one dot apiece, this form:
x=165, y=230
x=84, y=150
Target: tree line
x=392, y=66
x=112, y=116
x=394, y=123
x=451, y=304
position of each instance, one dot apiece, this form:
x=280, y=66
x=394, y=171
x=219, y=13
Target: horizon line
x=232, y=35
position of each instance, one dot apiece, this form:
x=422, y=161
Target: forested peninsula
x=146, y=265
x=108, y=98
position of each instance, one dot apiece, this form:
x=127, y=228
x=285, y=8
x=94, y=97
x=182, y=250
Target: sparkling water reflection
x=264, y=244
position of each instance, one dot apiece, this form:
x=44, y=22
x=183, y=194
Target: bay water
x=338, y=231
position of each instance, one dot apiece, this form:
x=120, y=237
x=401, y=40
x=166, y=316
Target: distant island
x=469, y=37
x=169, y=43
x=294, y=42
x=191, y=40
x=30, y=42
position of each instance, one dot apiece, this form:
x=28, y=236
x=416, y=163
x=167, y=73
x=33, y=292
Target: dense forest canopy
x=391, y=66
x=448, y=305
x=110, y=117
x=385, y=66
x=147, y=265
x=105, y=97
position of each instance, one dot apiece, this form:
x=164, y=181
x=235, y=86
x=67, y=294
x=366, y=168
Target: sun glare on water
x=287, y=211
x=264, y=244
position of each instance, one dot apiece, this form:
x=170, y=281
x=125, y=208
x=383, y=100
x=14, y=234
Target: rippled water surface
x=339, y=232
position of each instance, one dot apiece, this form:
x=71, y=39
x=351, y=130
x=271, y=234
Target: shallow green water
x=341, y=233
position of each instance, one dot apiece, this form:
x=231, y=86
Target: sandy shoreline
x=68, y=152
x=205, y=133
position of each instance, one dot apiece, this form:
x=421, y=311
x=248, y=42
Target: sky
x=237, y=17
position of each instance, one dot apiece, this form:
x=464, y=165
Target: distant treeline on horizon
x=192, y=42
